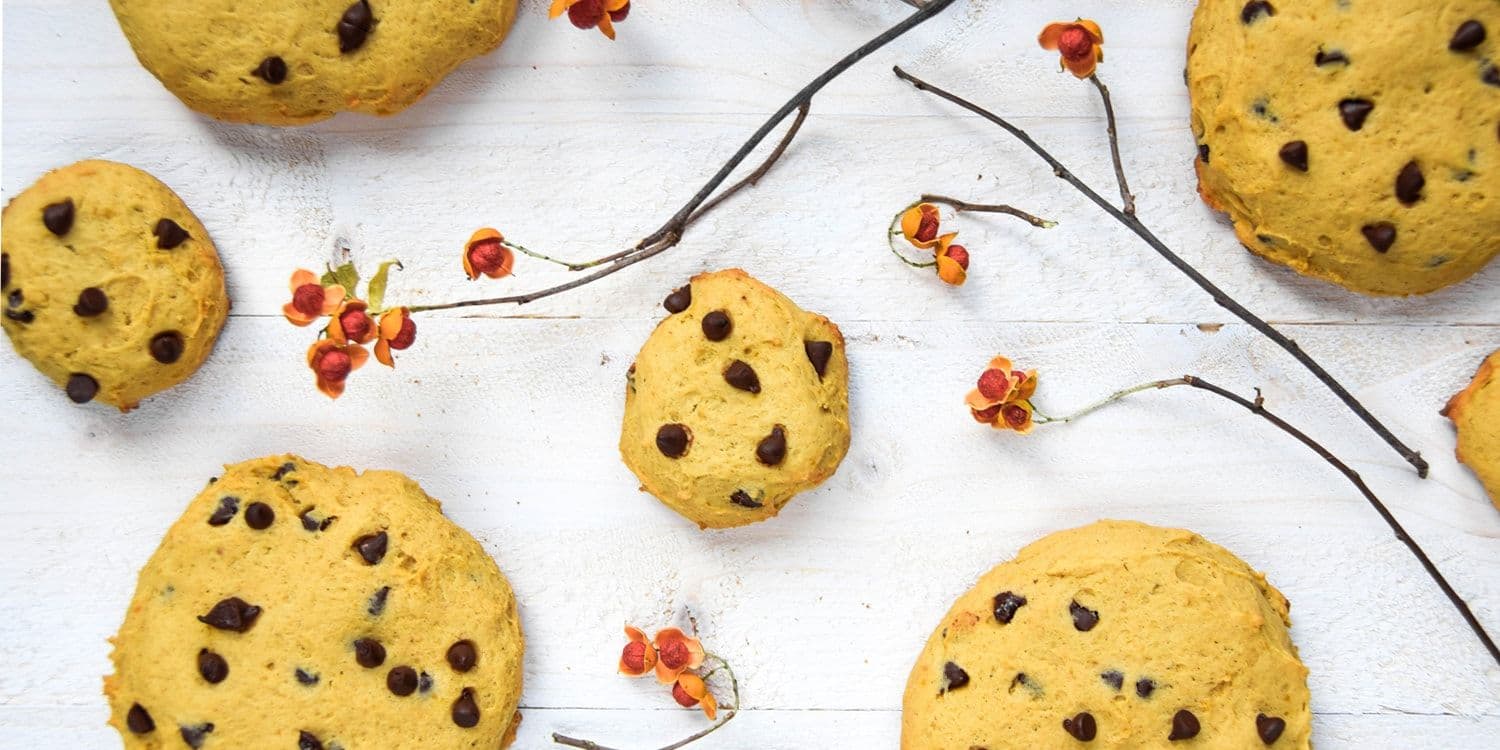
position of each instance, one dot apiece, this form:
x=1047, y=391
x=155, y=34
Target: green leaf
x=346, y=276
x=377, y=284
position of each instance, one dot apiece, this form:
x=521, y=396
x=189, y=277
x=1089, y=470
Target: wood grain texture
x=510, y=416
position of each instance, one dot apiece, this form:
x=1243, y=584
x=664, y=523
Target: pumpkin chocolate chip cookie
x=284, y=62
x=1113, y=635
x=112, y=287
x=298, y=606
x=737, y=402
x=1354, y=142
x=1475, y=412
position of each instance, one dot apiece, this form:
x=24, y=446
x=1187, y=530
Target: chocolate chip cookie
x=1113, y=635
x=1354, y=142
x=738, y=401
x=112, y=287
x=284, y=62
x=298, y=606
x=1475, y=412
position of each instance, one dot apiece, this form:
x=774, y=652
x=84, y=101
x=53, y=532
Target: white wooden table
x=510, y=415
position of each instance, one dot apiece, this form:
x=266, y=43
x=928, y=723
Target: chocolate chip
x=716, y=325
x=1184, y=726
x=58, y=217
x=166, y=347
x=4, y=270
x=234, y=614
x=372, y=547
x=1113, y=678
x=308, y=741
x=818, y=353
x=15, y=298
x=259, y=516
x=742, y=376
x=954, y=677
x=673, y=440
x=1144, y=687
x=1006, y=604
x=354, y=26
x=272, y=70
x=369, y=653
x=285, y=469
x=1269, y=728
x=169, y=235
x=742, y=498
x=1294, y=153
x=305, y=677
x=228, y=506
x=1082, y=727
x=1354, y=112
x=465, y=710
x=1020, y=679
x=402, y=681
x=1255, y=9
x=24, y=316
x=462, y=656
x=81, y=387
x=313, y=524
x=377, y=601
x=772, y=448
x=1330, y=58
x=138, y=720
x=1491, y=75
x=1381, y=235
x=1409, y=183
x=1203, y=152
x=1470, y=34
x=212, y=666
x=679, y=300
x=1084, y=619
x=195, y=734
x=424, y=682
x=91, y=301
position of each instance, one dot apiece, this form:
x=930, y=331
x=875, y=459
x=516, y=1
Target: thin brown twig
x=734, y=684
x=670, y=233
x=1219, y=296
x=989, y=208
x=1126, y=198
x=1257, y=407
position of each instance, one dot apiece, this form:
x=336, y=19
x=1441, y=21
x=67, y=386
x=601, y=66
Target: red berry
x=585, y=13
x=927, y=228
x=1015, y=416
x=1075, y=43
x=960, y=255
x=619, y=15
x=405, y=336
x=675, y=654
x=994, y=384
x=334, y=366
x=356, y=324
x=487, y=256
x=681, y=696
x=308, y=300
x=634, y=656
x=986, y=416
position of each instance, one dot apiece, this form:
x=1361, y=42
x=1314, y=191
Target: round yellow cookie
x=737, y=402
x=112, y=287
x=285, y=62
x=1357, y=142
x=298, y=606
x=1475, y=412
x=1113, y=635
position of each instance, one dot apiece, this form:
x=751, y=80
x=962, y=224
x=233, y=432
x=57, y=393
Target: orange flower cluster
x=672, y=655
x=920, y=227
x=586, y=14
x=1080, y=44
x=340, y=348
x=1003, y=397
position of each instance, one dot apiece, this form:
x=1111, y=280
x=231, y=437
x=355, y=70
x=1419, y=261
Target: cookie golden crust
x=1113, y=635
x=737, y=402
x=300, y=606
x=112, y=287
x=1358, y=143
x=1475, y=412
x=286, y=62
